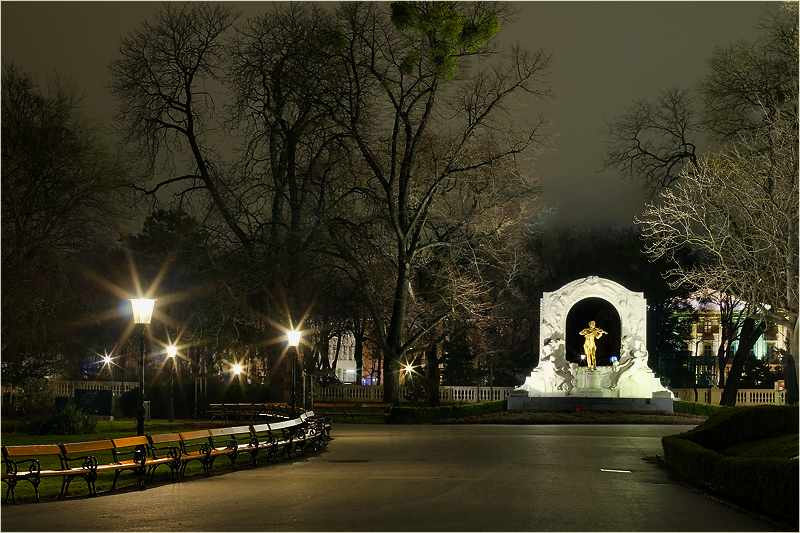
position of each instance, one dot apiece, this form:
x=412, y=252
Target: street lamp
x=142, y=314
x=293, y=338
x=172, y=351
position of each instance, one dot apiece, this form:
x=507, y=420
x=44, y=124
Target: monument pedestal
x=520, y=401
x=591, y=383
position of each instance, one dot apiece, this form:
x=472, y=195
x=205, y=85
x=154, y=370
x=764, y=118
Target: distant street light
x=142, y=314
x=172, y=351
x=293, y=339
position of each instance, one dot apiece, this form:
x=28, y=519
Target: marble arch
x=554, y=307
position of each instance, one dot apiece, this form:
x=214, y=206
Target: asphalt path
x=420, y=478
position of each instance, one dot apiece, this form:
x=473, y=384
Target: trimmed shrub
x=36, y=397
x=424, y=415
x=764, y=485
x=694, y=408
x=70, y=420
x=732, y=426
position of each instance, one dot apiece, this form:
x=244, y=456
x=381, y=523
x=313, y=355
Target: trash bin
x=147, y=410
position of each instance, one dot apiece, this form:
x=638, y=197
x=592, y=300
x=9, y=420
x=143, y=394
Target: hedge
x=694, y=408
x=732, y=426
x=765, y=485
x=424, y=415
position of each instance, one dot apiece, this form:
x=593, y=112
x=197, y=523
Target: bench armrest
x=12, y=466
x=138, y=454
x=89, y=462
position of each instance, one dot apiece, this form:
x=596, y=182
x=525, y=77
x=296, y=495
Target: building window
x=707, y=350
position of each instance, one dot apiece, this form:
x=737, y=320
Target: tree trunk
x=276, y=368
x=432, y=375
x=791, y=366
x=394, y=337
x=749, y=334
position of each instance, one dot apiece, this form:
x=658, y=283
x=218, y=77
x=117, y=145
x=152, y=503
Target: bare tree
x=62, y=199
x=653, y=142
x=740, y=212
x=253, y=174
x=749, y=86
x=421, y=121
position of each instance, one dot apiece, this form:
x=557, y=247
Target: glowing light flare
x=408, y=369
x=142, y=310
x=237, y=369
x=172, y=351
x=293, y=337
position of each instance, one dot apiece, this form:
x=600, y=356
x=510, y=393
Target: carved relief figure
x=554, y=365
x=589, y=347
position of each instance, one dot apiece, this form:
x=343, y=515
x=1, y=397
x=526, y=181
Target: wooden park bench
x=233, y=441
x=195, y=446
x=343, y=409
x=316, y=428
x=23, y=463
x=217, y=411
x=136, y=446
x=88, y=459
x=281, y=438
x=165, y=448
x=375, y=410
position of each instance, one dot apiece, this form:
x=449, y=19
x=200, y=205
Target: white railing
x=67, y=388
x=743, y=397
x=758, y=397
x=447, y=394
x=374, y=393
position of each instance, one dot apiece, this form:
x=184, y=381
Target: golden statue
x=591, y=333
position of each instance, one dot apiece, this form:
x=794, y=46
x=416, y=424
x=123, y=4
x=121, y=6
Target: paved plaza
x=420, y=478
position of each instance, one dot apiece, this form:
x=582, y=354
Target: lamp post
x=172, y=351
x=142, y=314
x=293, y=338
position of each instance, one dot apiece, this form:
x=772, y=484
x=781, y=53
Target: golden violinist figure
x=590, y=334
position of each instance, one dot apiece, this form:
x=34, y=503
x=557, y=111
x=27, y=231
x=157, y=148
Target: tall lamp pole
x=172, y=351
x=293, y=338
x=142, y=314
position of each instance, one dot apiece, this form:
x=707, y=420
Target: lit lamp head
x=408, y=369
x=293, y=337
x=106, y=359
x=142, y=310
x=172, y=351
x=237, y=369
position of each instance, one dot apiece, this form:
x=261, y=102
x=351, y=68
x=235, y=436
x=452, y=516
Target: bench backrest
x=225, y=432
x=284, y=425
x=194, y=435
x=259, y=428
x=325, y=405
x=87, y=447
x=162, y=438
x=126, y=442
x=31, y=450
x=345, y=405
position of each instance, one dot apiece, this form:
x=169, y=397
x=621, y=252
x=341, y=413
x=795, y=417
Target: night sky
x=606, y=54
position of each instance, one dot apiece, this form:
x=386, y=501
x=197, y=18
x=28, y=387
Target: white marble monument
x=627, y=377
